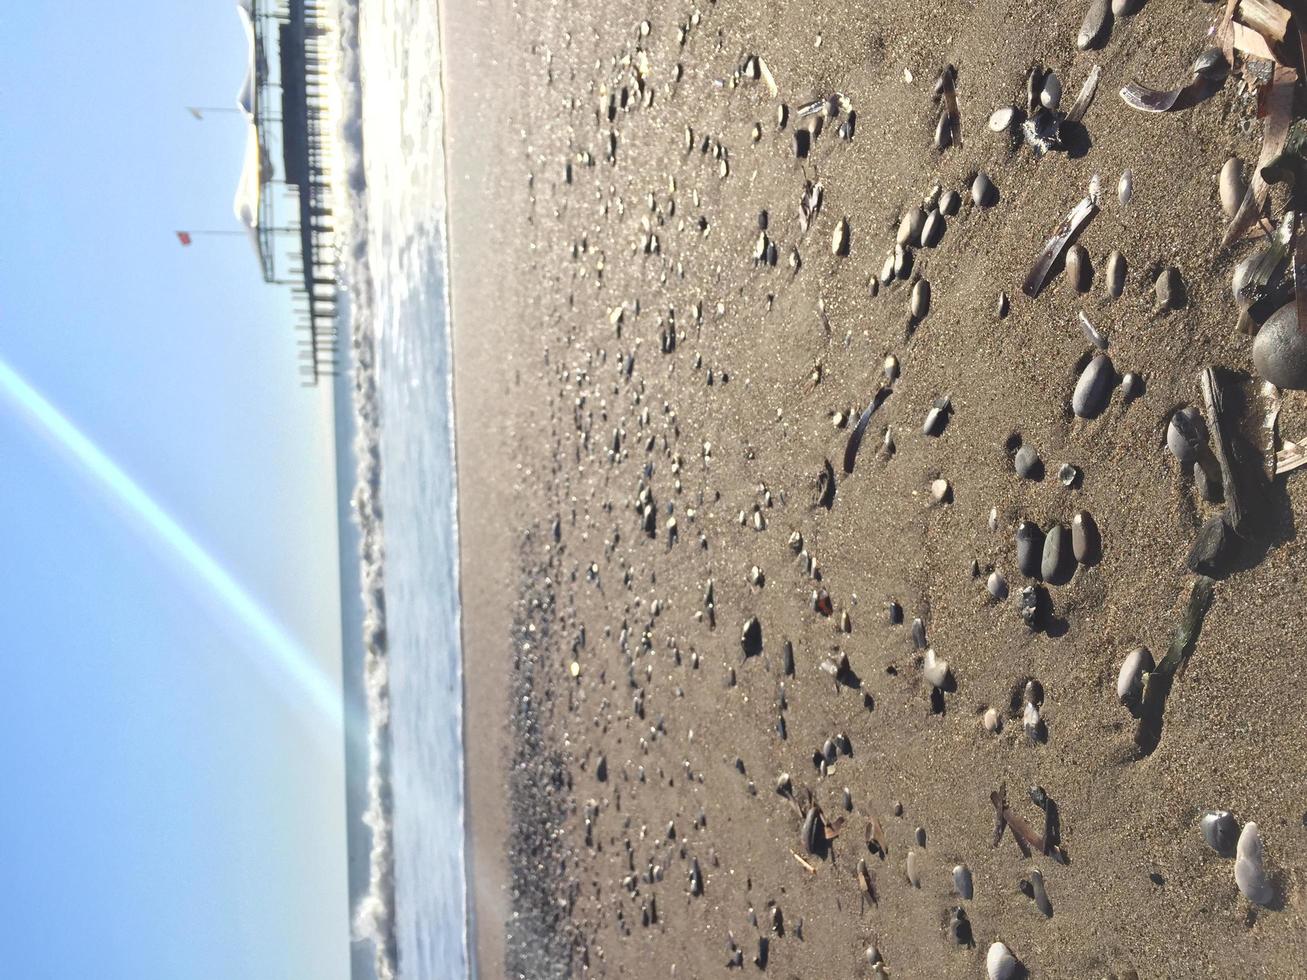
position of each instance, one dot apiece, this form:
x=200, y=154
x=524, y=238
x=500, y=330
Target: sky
x=171, y=761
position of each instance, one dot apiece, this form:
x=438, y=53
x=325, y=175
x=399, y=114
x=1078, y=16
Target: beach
x=646, y=407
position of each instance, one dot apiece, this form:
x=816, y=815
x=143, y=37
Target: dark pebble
x=1030, y=549
x=1056, y=565
x=1028, y=464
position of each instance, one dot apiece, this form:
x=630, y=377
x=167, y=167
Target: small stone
x=1249, y=873
x=839, y=239
x=910, y=227
x=914, y=872
x=962, y=883
x=940, y=491
x=950, y=202
x=997, y=586
x=1220, y=831
x=872, y=955
x=848, y=799
x=1086, y=544
x=1094, y=387
x=756, y=577
x=1028, y=464
x=839, y=420
x=1000, y=964
x=1169, y=289
x=920, y=304
x=1051, y=94
x=1116, y=270
x=1132, y=386
x=1096, y=27
x=1078, y=271
x=1126, y=8
x=1030, y=549
x=796, y=542
x=1186, y=434
x=933, y=230
x=1130, y=679
x=890, y=367
x=601, y=769
x=1231, y=187
x=751, y=637
x=1055, y=567
x=992, y=722
x=1003, y=307
x=1000, y=120
x=1125, y=187
x=1040, y=894
x=983, y=191
x=902, y=262
x=1280, y=350
x=934, y=669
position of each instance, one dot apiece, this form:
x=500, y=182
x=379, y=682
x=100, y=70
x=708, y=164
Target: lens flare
x=296, y=675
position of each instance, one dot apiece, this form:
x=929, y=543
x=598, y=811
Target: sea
x=410, y=897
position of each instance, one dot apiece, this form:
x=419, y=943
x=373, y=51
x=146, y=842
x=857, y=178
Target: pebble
x=839, y=239
x=1169, y=289
x=1116, y=270
x=1040, y=893
x=1078, y=270
x=1132, y=386
x=920, y=304
x=751, y=637
x=1126, y=8
x=997, y=586
x=1028, y=464
x=1249, y=873
x=1054, y=566
x=992, y=721
x=1130, y=679
x=1051, y=94
x=919, y=835
x=872, y=955
x=1186, y=434
x=962, y=881
x=1096, y=27
x=1004, y=305
x=1000, y=964
x=1030, y=547
x=940, y=491
x=890, y=366
x=914, y=873
x=1231, y=186
x=936, y=420
x=1033, y=723
x=1093, y=387
x=933, y=230
x=1125, y=187
x=910, y=227
x=934, y=669
x=1280, y=350
x=902, y=261
x=950, y=202
x=1000, y=120
x=983, y=191
x=1086, y=544
x=1220, y=831
x=787, y=658
x=848, y=799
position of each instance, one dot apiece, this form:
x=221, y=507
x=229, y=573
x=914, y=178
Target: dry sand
x=539, y=264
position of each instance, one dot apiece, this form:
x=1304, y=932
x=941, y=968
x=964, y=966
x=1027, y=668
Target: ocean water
x=394, y=269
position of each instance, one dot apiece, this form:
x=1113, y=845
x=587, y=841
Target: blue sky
x=171, y=801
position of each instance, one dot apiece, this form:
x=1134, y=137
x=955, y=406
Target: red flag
x=184, y=237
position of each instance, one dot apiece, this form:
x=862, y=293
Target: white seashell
x=914, y=873
x=1000, y=963
x=934, y=669
x=1249, y=874
x=1001, y=119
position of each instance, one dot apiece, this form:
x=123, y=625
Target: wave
x=373, y=918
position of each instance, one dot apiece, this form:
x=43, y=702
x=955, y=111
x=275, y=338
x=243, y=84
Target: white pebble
x=1249, y=874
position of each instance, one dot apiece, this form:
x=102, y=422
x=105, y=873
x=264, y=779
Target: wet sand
x=566, y=412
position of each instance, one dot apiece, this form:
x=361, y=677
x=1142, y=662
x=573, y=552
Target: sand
x=543, y=395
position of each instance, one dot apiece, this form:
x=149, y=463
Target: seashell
x=950, y=202
x=934, y=669
x=784, y=785
x=1068, y=475
x=1130, y=680
x=1030, y=548
x=1054, y=566
x=1093, y=387
x=962, y=881
x=1033, y=723
x=997, y=586
x=1078, y=270
x=992, y=721
x=914, y=873
x=1249, y=873
x=829, y=751
x=1096, y=27
x=1116, y=270
x=920, y=303
x=1231, y=186
x=1220, y=831
x=1186, y=434
x=1000, y=120
x=1086, y=543
x=1280, y=350
x=1125, y=187
x=983, y=191
x=1027, y=464
x=1000, y=964
x=1211, y=64
x=839, y=240
x=1050, y=96
x=910, y=226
